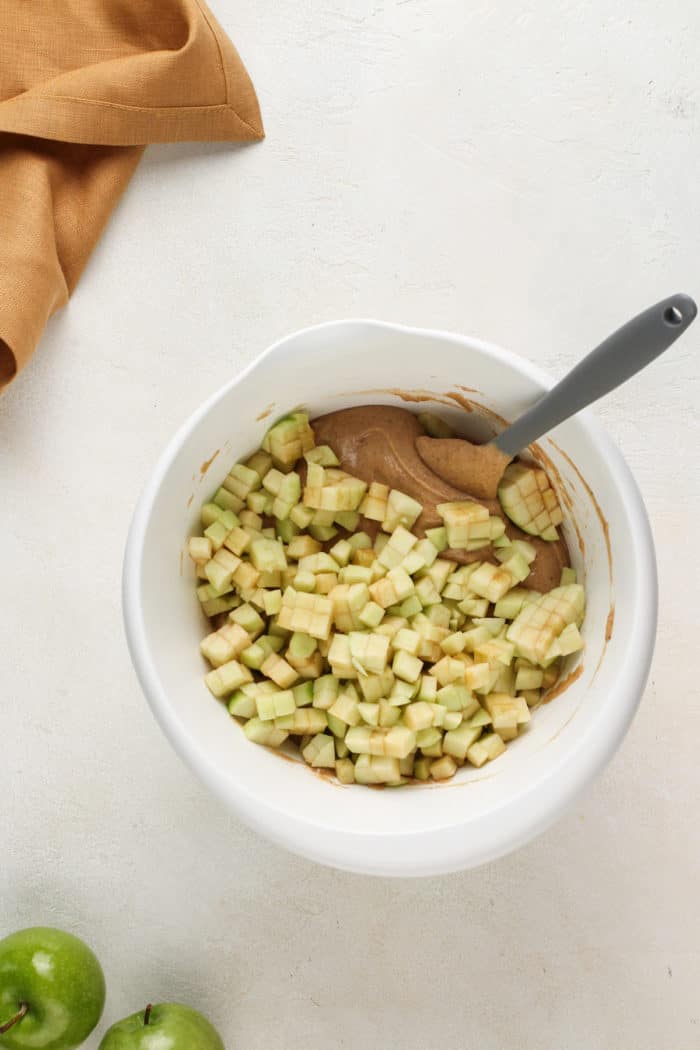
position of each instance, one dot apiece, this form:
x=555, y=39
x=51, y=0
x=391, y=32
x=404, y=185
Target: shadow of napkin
x=85, y=85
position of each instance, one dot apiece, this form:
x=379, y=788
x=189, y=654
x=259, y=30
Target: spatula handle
x=618, y=357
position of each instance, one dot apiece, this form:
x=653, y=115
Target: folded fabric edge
x=64, y=120
x=42, y=260
x=8, y=365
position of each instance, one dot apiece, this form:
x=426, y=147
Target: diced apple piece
x=376, y=686
x=221, y=568
x=341, y=553
x=400, y=510
x=237, y=540
x=326, y=690
x=478, y=676
x=474, y=607
x=400, y=543
x=212, y=512
x=356, y=574
x=274, y=705
x=226, y=678
x=451, y=720
x=540, y=623
x=268, y=555
x=495, y=651
x=418, y=715
x=242, y=706
x=345, y=708
x=510, y=605
x=200, y=549
x=260, y=462
x=287, y=497
x=517, y=566
x=457, y=698
x=323, y=455
x=468, y=524
x=279, y=671
x=374, y=504
x=407, y=640
x=217, y=532
x=301, y=647
x=257, y=502
x=289, y=439
x=504, y=714
x=410, y=607
x=428, y=737
x=457, y=742
x=480, y=718
x=485, y=750
x=302, y=547
x=490, y=581
x=217, y=649
x=569, y=641
x=241, y=481
x=438, y=573
x=338, y=491
x=407, y=667
x=301, y=516
x=306, y=613
x=304, y=581
x=528, y=678
x=453, y=644
x=438, y=538
x=320, y=752
x=251, y=521
x=228, y=642
x=345, y=770
x=340, y=657
x=273, y=480
x=527, y=497
x=265, y=733
x=389, y=714
x=254, y=656
x=428, y=688
x=303, y=721
x=369, y=712
x=371, y=615
x=427, y=592
x=348, y=601
x=397, y=742
x=226, y=500
x=369, y=652
x=215, y=606
x=443, y=768
x=377, y=769
x=449, y=669
x=325, y=582
x=403, y=692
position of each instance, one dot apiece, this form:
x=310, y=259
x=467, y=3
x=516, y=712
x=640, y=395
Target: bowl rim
x=532, y=811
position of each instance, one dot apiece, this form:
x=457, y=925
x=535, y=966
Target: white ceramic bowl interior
x=420, y=829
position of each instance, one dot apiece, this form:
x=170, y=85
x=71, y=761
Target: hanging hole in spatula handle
x=677, y=312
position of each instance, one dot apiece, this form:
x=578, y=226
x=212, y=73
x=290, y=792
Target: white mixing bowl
x=419, y=829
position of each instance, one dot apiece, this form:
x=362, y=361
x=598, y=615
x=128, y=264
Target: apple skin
x=171, y=1026
x=61, y=981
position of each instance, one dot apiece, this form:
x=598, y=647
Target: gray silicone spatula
x=619, y=357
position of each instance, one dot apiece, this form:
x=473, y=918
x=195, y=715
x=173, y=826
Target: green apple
x=169, y=1026
x=52, y=990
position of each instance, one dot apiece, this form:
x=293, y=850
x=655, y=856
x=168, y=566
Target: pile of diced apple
x=384, y=661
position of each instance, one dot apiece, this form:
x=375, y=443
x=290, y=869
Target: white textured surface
x=494, y=169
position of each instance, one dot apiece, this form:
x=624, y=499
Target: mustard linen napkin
x=85, y=85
